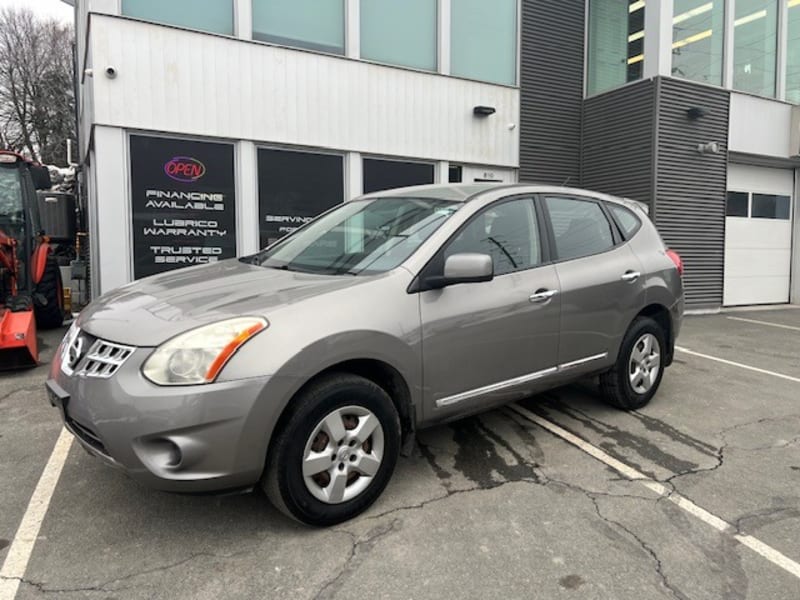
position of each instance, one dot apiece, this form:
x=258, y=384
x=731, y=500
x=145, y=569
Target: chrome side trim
x=494, y=387
x=581, y=361
x=500, y=385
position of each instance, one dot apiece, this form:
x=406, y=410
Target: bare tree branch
x=36, y=95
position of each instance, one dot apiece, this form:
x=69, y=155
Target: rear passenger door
x=602, y=284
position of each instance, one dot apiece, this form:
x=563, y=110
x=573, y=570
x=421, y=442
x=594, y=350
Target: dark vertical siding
x=691, y=187
x=551, y=87
x=618, y=140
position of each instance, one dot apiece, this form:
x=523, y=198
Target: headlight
x=198, y=356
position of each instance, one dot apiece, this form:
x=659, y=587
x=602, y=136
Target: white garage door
x=758, y=235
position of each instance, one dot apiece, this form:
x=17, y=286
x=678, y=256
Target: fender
x=39, y=261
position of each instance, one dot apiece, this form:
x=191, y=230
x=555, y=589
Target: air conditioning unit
x=794, y=137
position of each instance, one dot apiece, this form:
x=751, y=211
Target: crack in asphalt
x=105, y=586
x=659, y=566
x=766, y=517
x=28, y=389
x=359, y=549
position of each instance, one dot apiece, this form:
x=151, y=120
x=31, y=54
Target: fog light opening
x=173, y=454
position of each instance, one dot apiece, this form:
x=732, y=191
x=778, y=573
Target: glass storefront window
x=755, y=41
x=697, y=40
x=483, y=40
x=294, y=187
x=616, y=43
x=399, y=33
x=387, y=174
x=313, y=24
x=207, y=15
x=793, y=53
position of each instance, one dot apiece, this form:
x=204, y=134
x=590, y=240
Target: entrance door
x=758, y=235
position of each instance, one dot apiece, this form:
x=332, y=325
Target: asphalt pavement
x=487, y=507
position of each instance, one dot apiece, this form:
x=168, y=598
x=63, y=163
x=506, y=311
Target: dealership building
x=209, y=128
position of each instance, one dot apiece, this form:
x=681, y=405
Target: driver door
x=492, y=342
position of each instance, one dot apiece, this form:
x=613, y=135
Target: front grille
x=86, y=434
x=104, y=359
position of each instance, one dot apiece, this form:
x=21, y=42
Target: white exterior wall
x=179, y=81
x=759, y=126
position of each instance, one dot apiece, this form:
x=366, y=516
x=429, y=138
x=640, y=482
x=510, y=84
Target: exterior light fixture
x=708, y=148
x=696, y=112
x=483, y=111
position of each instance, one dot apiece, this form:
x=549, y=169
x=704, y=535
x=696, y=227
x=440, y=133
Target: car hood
x=153, y=310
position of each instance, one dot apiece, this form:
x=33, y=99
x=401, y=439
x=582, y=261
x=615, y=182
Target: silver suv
x=308, y=366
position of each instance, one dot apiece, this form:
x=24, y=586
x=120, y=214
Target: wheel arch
x=379, y=372
x=661, y=315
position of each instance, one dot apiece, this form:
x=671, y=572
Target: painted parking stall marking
x=725, y=361
x=766, y=551
x=19, y=553
x=767, y=323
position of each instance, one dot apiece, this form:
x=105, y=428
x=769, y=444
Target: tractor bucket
x=18, y=348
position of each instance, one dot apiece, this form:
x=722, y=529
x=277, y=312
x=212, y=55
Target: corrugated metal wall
x=618, y=132
x=551, y=85
x=691, y=187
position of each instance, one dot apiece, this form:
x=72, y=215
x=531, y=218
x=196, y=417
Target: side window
x=627, y=220
x=508, y=232
x=580, y=227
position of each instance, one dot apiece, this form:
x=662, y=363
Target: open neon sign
x=184, y=168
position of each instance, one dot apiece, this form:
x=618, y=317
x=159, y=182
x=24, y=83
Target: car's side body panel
x=477, y=335
x=598, y=305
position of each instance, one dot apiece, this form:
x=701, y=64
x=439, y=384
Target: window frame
x=435, y=266
x=616, y=237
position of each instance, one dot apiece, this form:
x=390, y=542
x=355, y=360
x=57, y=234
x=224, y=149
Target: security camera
x=111, y=72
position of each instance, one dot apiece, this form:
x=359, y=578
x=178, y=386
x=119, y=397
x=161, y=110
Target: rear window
x=628, y=221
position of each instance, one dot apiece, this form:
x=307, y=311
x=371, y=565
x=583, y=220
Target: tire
x=50, y=315
x=636, y=376
x=336, y=486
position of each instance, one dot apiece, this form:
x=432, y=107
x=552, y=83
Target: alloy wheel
x=645, y=363
x=343, y=454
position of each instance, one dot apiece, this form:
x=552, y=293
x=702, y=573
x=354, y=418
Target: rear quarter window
x=628, y=222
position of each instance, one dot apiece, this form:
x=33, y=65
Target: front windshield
x=362, y=237
x=12, y=212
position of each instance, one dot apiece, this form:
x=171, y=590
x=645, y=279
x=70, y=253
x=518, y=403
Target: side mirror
x=463, y=268
x=41, y=177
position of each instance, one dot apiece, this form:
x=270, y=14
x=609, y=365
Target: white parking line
x=736, y=364
x=22, y=545
x=780, y=325
x=768, y=552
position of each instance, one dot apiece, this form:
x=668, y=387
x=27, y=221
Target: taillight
x=676, y=258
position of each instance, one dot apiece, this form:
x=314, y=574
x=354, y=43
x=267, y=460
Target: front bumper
x=181, y=439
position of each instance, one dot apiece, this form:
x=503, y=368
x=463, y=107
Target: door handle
x=542, y=296
x=631, y=276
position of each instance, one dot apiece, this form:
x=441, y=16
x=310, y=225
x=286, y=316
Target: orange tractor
x=31, y=291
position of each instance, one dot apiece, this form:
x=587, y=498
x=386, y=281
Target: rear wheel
x=634, y=379
x=49, y=311
x=336, y=452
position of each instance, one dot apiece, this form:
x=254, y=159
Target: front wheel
x=634, y=379
x=336, y=452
